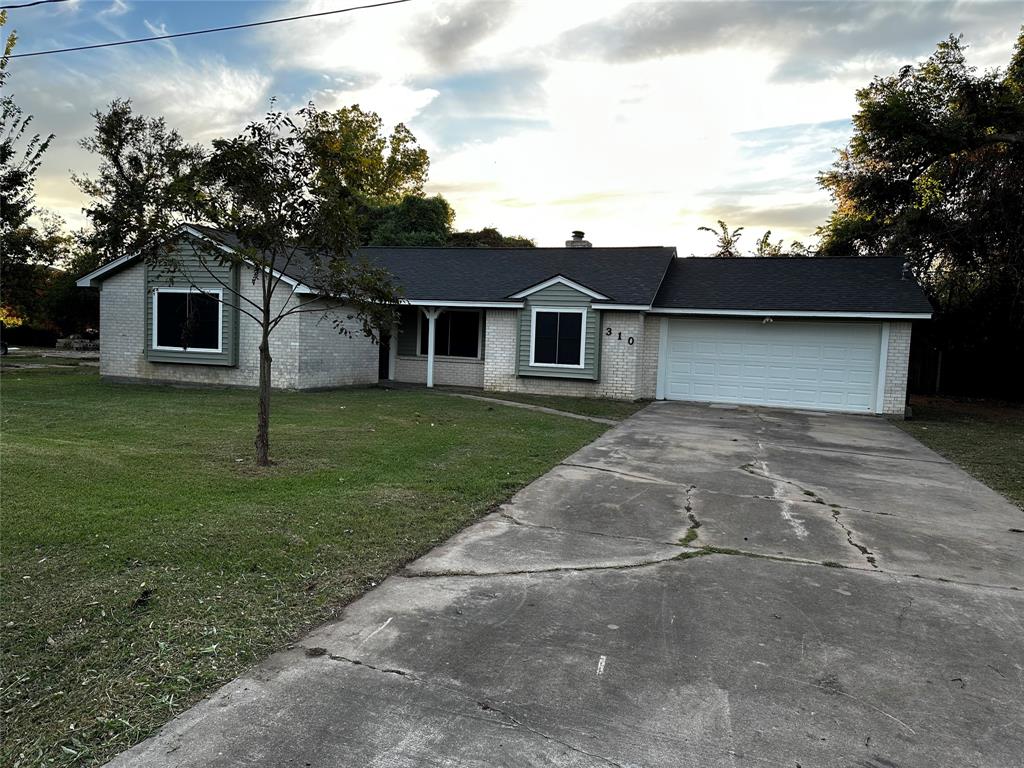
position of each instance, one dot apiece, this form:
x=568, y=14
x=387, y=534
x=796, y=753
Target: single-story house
x=627, y=323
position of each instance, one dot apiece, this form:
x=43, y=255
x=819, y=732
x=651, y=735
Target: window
x=557, y=337
x=456, y=334
x=185, y=319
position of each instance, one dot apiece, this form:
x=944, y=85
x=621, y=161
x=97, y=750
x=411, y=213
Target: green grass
x=986, y=439
x=585, y=406
x=146, y=559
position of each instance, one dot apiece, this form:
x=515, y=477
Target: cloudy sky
x=636, y=122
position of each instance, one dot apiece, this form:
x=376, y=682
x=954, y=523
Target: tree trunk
x=263, y=421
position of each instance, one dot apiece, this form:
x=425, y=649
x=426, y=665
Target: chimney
x=577, y=240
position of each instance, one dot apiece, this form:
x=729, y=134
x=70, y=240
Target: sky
x=635, y=122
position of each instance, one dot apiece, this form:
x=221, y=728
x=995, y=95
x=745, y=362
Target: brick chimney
x=577, y=240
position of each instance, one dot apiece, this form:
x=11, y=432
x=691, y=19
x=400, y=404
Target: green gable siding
x=555, y=296
x=193, y=272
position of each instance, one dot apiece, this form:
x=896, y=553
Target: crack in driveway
x=484, y=704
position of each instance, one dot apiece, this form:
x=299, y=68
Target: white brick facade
x=306, y=353
x=897, y=362
x=620, y=364
x=448, y=371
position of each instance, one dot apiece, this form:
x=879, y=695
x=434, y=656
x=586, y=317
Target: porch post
x=392, y=353
x=431, y=313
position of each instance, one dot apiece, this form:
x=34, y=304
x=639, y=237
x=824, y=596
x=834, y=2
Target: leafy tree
x=415, y=221
x=263, y=188
x=488, y=237
x=24, y=247
x=140, y=161
x=934, y=174
x=727, y=245
x=351, y=150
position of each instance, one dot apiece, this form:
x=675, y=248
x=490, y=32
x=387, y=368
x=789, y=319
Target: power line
x=29, y=5
x=206, y=31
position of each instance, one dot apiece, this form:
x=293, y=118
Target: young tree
x=727, y=245
x=25, y=249
x=262, y=188
x=140, y=163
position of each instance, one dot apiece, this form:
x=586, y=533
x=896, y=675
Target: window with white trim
x=557, y=337
x=456, y=333
x=187, y=320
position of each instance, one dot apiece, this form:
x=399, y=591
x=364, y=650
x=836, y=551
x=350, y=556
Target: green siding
x=192, y=272
x=561, y=296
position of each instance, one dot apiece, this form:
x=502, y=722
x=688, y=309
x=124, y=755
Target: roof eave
x=841, y=314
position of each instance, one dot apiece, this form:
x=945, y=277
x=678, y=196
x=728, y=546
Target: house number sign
x=630, y=340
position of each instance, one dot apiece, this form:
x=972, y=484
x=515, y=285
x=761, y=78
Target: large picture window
x=187, y=320
x=557, y=337
x=456, y=334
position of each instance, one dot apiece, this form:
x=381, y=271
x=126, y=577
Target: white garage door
x=791, y=363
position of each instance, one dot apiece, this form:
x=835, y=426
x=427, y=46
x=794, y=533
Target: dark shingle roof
x=624, y=275
x=804, y=284
x=645, y=275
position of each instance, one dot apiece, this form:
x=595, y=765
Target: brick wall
x=329, y=358
x=305, y=354
x=648, y=376
x=620, y=366
x=897, y=362
x=448, y=371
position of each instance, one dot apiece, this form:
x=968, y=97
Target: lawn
x=986, y=439
x=585, y=406
x=146, y=559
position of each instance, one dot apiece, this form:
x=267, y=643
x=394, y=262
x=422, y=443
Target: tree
x=488, y=237
x=141, y=162
x=727, y=245
x=415, y=221
x=766, y=248
x=263, y=188
x=25, y=249
x=934, y=174
x=351, y=150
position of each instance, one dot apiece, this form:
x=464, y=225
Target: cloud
x=201, y=98
x=456, y=27
x=815, y=39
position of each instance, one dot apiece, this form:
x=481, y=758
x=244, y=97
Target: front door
x=384, y=361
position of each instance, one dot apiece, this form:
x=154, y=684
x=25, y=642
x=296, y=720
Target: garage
x=828, y=365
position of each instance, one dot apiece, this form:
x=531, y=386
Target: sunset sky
x=634, y=122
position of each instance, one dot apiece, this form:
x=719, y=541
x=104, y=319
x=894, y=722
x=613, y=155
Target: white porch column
x=431, y=313
x=392, y=353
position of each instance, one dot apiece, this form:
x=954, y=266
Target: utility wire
x=29, y=5
x=206, y=31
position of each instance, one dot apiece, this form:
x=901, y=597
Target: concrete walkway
x=861, y=607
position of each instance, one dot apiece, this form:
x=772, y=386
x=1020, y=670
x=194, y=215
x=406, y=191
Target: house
x=627, y=323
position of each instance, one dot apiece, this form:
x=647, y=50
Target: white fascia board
x=796, y=313
x=86, y=281
x=296, y=284
x=559, y=280
x=445, y=303
x=625, y=307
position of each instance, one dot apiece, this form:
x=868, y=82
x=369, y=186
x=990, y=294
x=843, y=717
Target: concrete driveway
x=862, y=609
